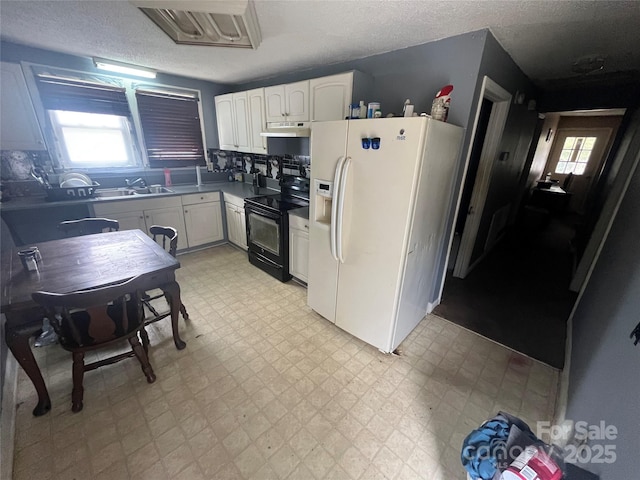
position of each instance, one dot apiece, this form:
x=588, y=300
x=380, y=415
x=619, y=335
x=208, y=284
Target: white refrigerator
x=380, y=194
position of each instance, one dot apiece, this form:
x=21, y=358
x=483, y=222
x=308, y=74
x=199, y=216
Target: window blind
x=58, y=93
x=171, y=128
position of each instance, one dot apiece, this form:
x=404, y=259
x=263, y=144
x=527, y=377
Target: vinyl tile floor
x=266, y=388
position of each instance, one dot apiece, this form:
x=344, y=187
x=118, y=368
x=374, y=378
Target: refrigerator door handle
x=334, y=206
x=341, y=192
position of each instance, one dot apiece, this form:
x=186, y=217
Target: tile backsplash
x=271, y=166
x=16, y=179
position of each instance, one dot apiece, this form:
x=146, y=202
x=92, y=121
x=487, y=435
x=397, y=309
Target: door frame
x=501, y=99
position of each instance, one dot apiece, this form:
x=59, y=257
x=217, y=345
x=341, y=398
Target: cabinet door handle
x=141, y=217
x=307, y=227
x=186, y=211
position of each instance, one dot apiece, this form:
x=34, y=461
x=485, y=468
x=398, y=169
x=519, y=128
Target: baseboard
x=432, y=305
x=8, y=417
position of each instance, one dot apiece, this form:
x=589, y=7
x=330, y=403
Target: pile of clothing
x=489, y=449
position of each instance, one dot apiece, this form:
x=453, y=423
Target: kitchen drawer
x=107, y=207
x=233, y=200
x=298, y=222
x=195, y=198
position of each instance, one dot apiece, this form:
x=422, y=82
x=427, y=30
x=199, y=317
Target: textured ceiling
x=543, y=37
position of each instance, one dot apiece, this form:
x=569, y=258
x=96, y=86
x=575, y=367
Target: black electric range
x=278, y=202
x=268, y=225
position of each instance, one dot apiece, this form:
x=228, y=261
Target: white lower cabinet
x=299, y=247
x=128, y=220
x=197, y=217
x=202, y=218
x=171, y=217
x=143, y=213
x=236, y=222
x=204, y=223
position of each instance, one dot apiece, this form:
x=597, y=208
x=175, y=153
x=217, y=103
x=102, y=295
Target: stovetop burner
x=294, y=193
x=279, y=202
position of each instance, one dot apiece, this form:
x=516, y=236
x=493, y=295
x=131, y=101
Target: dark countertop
x=302, y=212
x=239, y=189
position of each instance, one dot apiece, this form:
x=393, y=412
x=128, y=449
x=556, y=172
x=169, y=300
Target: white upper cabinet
x=242, y=116
x=275, y=103
x=331, y=97
x=257, y=120
x=225, y=119
x=241, y=111
x=287, y=103
x=232, y=115
x=19, y=128
x=297, y=96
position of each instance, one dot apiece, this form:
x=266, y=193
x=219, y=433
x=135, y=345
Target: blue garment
x=480, y=447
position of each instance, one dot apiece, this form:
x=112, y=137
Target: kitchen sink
x=113, y=192
x=128, y=191
x=151, y=189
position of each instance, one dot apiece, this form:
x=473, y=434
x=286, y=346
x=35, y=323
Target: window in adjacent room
x=575, y=155
x=171, y=127
x=91, y=122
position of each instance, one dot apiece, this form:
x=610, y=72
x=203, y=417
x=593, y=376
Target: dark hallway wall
x=604, y=376
x=517, y=136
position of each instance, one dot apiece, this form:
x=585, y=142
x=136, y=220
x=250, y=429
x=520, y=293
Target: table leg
x=18, y=342
x=172, y=290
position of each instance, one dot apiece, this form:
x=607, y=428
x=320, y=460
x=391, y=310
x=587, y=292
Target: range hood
x=287, y=129
x=220, y=23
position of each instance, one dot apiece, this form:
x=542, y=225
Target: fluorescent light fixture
x=127, y=69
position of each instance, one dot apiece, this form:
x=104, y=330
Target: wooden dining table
x=79, y=263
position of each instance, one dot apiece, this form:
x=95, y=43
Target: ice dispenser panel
x=324, y=194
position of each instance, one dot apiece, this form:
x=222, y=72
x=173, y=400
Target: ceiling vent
x=588, y=64
x=219, y=23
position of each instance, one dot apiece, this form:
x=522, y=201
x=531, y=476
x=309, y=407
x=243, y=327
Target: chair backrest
x=168, y=235
x=6, y=240
x=567, y=182
x=88, y=226
x=90, y=317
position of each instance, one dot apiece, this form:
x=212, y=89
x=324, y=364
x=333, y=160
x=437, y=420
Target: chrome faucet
x=130, y=183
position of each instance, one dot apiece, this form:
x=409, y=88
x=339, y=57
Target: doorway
x=519, y=294
x=500, y=99
x=474, y=162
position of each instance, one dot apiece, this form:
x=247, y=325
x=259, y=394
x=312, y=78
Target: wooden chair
x=88, y=226
x=167, y=237
x=93, y=319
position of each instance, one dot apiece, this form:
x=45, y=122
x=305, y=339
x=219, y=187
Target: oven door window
x=265, y=233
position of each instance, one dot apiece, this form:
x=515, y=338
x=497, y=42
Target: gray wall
x=604, y=380
x=518, y=134
x=15, y=53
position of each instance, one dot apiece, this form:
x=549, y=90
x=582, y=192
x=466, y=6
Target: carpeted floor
x=518, y=295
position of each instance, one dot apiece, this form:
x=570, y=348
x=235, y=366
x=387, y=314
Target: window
x=93, y=139
x=575, y=155
x=171, y=128
x=91, y=122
